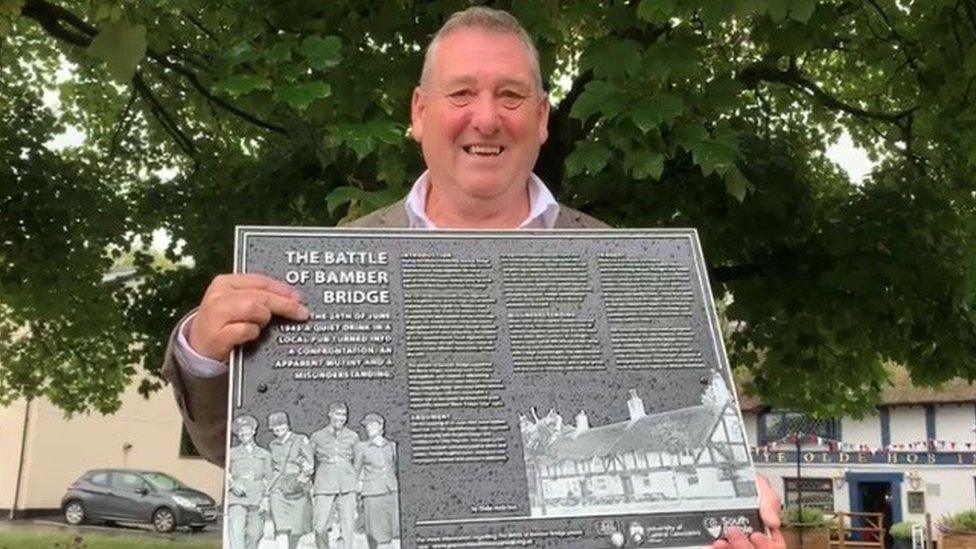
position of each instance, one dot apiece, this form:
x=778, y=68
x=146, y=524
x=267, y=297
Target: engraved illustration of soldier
x=378, y=484
x=292, y=462
x=248, y=475
x=334, y=451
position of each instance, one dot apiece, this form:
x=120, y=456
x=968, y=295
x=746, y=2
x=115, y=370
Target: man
x=378, y=484
x=480, y=116
x=248, y=474
x=291, y=461
x=334, y=449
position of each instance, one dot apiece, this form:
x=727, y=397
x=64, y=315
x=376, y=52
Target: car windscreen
x=161, y=482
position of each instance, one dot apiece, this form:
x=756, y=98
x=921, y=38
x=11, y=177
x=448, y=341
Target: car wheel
x=164, y=520
x=74, y=512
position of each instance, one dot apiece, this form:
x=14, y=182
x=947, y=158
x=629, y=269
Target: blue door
x=876, y=493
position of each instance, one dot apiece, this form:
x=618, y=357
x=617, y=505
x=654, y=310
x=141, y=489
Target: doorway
x=876, y=493
x=876, y=498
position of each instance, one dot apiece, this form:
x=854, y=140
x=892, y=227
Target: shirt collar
x=543, y=208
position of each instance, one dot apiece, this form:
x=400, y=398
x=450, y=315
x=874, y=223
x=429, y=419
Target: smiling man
x=480, y=116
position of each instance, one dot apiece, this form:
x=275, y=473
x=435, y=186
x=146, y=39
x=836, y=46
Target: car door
x=130, y=497
x=97, y=494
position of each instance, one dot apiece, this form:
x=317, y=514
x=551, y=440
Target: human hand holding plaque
x=235, y=308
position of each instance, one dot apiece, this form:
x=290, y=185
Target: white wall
x=866, y=430
x=954, y=422
x=907, y=424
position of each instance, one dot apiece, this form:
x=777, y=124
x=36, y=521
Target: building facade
x=915, y=455
x=42, y=452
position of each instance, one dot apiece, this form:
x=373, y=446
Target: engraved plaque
x=487, y=389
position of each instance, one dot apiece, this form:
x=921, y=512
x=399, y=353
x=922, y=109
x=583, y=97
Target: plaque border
x=243, y=232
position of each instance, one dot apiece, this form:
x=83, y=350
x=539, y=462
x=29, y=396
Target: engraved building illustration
x=693, y=458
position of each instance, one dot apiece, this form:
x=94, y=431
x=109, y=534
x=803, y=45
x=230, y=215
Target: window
x=816, y=492
x=127, y=482
x=100, y=478
x=776, y=425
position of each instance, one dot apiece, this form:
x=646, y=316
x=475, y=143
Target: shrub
x=901, y=530
x=963, y=521
x=811, y=517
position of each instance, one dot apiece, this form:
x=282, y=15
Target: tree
x=705, y=113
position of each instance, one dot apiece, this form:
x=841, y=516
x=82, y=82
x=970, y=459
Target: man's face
x=373, y=428
x=279, y=430
x=337, y=418
x=245, y=434
x=479, y=118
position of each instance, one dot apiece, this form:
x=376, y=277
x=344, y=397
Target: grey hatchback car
x=124, y=495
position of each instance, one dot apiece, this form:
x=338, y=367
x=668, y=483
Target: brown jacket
x=203, y=401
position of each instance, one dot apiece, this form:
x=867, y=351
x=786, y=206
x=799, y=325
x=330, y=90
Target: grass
x=29, y=539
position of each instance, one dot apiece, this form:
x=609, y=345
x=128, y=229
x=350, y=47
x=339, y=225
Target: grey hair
x=489, y=19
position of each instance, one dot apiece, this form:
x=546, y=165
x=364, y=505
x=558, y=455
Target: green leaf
x=386, y=130
x=279, y=53
x=649, y=113
x=367, y=201
x=643, y=164
x=598, y=96
x=610, y=57
x=122, y=46
x=675, y=58
x=656, y=11
x=9, y=13
x=688, y=135
x=714, y=13
x=588, y=157
x=736, y=184
x=374, y=200
x=390, y=168
x=242, y=52
x=302, y=95
x=340, y=196
x=243, y=84
x=716, y=155
x=802, y=10
x=722, y=94
x=322, y=53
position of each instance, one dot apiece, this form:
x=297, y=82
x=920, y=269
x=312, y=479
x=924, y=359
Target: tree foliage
x=706, y=113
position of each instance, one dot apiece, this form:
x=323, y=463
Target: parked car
x=125, y=495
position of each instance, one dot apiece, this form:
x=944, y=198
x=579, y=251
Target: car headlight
x=184, y=502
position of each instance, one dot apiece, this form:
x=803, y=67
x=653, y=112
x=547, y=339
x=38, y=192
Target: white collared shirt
x=543, y=211
x=543, y=208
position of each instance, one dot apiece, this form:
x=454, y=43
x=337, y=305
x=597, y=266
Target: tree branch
x=51, y=18
x=196, y=23
x=182, y=140
x=765, y=71
x=563, y=133
x=122, y=123
x=905, y=44
x=202, y=90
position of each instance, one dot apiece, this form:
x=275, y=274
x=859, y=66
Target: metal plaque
x=486, y=389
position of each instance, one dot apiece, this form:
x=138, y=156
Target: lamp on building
x=840, y=479
x=914, y=480
x=125, y=453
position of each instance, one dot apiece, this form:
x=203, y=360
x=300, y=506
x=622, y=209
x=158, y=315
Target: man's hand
x=235, y=308
x=769, y=513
